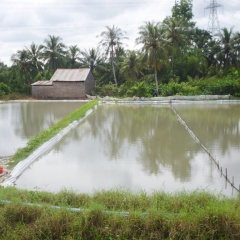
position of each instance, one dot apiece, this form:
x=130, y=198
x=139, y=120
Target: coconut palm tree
x=73, y=55
x=91, y=58
x=226, y=46
x=174, y=31
x=22, y=64
x=131, y=66
x=152, y=42
x=180, y=36
x=175, y=36
x=201, y=38
x=111, y=40
x=236, y=48
x=35, y=57
x=53, y=52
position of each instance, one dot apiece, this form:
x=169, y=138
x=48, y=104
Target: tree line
x=174, y=57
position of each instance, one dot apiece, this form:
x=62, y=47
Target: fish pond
x=20, y=121
x=144, y=147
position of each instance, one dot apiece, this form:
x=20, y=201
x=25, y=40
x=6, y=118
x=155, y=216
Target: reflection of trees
x=29, y=119
x=166, y=143
x=111, y=136
x=214, y=125
x=158, y=136
x=159, y=141
x=3, y=111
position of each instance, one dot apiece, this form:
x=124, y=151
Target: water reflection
x=154, y=132
x=19, y=122
x=217, y=126
x=131, y=146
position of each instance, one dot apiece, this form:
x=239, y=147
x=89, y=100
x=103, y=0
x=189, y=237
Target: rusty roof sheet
x=42, y=83
x=71, y=75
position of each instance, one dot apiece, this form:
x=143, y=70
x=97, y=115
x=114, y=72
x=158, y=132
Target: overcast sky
x=78, y=22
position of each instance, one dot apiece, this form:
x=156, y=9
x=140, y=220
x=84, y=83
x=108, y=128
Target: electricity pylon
x=213, y=23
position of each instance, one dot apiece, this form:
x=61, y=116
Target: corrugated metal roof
x=42, y=83
x=71, y=75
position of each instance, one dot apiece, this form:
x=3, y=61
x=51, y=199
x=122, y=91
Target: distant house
x=66, y=84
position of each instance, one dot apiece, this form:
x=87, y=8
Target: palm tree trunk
x=114, y=74
x=113, y=68
x=156, y=81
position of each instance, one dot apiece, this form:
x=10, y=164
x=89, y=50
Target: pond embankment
x=117, y=215
x=166, y=99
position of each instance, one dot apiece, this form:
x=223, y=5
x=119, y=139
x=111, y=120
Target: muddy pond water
x=143, y=147
x=20, y=121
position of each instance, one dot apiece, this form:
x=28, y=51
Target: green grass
x=46, y=135
x=195, y=215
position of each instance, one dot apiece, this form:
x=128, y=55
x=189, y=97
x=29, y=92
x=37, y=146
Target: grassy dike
x=118, y=215
x=37, y=141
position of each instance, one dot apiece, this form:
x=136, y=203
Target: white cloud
x=78, y=22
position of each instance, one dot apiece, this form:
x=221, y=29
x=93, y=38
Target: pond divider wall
x=225, y=175
x=43, y=149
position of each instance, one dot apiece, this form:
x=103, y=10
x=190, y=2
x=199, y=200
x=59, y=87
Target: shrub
x=218, y=86
x=210, y=86
x=174, y=88
x=141, y=89
x=107, y=90
x=4, y=89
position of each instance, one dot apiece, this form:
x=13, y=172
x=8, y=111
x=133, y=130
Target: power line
x=72, y=4
x=64, y=27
